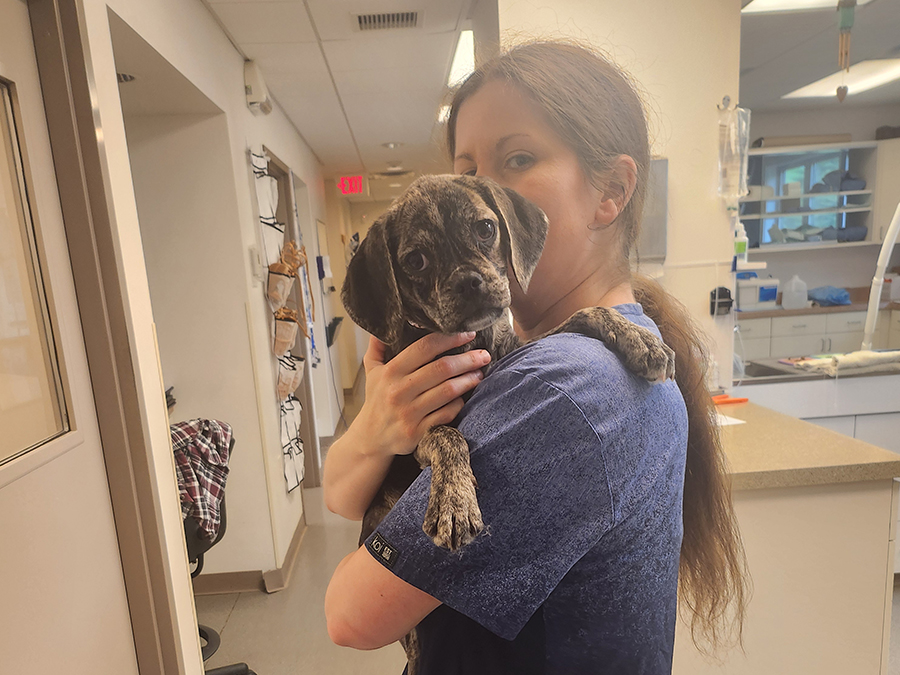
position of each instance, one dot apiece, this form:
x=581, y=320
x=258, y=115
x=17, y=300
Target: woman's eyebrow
x=500, y=143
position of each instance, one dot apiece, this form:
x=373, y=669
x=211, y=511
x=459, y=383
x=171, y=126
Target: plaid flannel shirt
x=201, y=462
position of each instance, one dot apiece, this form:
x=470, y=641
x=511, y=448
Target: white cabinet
x=894, y=335
x=792, y=326
x=751, y=349
x=882, y=430
x=802, y=345
x=843, y=424
x=802, y=335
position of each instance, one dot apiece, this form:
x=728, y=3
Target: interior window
x=32, y=409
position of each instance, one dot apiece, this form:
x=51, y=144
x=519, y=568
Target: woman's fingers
x=446, y=392
x=427, y=350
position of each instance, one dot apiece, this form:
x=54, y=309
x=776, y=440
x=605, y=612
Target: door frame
x=82, y=175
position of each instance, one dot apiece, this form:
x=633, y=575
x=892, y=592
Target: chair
x=197, y=545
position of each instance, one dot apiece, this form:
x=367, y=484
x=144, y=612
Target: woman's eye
x=519, y=161
x=484, y=230
x=416, y=261
x=469, y=172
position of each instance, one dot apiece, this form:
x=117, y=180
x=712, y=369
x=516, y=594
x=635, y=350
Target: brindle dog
x=438, y=262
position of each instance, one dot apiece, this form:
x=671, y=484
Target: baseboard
x=278, y=579
x=243, y=582
x=228, y=582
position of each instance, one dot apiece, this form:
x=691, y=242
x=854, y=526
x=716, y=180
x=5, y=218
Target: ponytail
x=712, y=581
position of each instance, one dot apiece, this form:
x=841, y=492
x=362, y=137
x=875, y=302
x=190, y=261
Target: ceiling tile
x=266, y=22
x=395, y=51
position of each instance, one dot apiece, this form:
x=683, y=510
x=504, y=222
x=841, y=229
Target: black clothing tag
x=382, y=550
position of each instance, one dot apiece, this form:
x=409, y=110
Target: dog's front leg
x=644, y=354
x=453, y=517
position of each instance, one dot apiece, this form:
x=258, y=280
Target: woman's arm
x=404, y=398
x=367, y=607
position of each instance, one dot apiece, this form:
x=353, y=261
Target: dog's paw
x=646, y=355
x=453, y=517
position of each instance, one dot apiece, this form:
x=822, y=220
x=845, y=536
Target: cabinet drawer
x=845, y=322
x=750, y=349
x=895, y=319
x=756, y=328
x=802, y=345
x=810, y=324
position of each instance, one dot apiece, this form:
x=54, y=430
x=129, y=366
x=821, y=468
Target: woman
x=583, y=470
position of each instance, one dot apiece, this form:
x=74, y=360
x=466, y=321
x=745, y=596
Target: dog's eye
x=416, y=261
x=485, y=229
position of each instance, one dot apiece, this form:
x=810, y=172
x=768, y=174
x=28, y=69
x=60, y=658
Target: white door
x=63, y=607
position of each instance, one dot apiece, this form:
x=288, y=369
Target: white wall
x=858, y=121
x=686, y=56
x=194, y=256
x=186, y=35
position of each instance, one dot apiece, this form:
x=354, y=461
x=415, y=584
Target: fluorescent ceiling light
x=444, y=114
x=464, y=59
x=761, y=6
x=863, y=76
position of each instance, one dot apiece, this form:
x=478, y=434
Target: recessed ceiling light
x=863, y=76
x=463, y=59
x=761, y=6
x=392, y=145
x=394, y=185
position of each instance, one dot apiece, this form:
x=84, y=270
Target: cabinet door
x=843, y=424
x=803, y=345
x=882, y=430
x=894, y=338
x=752, y=348
x=841, y=343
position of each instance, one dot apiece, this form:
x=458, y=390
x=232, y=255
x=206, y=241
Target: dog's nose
x=470, y=284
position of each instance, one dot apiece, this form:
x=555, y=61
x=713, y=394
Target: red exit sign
x=351, y=185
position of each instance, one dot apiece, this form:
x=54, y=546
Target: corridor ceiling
x=350, y=91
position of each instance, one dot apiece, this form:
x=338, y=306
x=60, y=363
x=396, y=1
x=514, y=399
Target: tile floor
x=284, y=633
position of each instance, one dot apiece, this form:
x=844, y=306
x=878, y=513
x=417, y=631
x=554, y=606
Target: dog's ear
x=523, y=225
x=370, y=293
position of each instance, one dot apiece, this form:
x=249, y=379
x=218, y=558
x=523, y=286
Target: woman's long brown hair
x=597, y=110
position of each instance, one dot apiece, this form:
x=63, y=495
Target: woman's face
x=502, y=134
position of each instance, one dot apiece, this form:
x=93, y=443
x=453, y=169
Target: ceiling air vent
x=388, y=20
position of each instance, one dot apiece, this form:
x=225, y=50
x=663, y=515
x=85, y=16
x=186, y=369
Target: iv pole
x=875, y=294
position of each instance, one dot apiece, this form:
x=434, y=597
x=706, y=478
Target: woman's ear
x=619, y=186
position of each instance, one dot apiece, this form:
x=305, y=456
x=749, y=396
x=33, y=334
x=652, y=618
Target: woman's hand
x=404, y=398
x=413, y=393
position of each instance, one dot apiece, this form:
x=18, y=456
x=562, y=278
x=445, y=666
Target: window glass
x=31, y=405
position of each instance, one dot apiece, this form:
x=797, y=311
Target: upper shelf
x=822, y=147
x=805, y=195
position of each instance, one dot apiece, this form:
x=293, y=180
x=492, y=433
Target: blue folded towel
x=827, y=296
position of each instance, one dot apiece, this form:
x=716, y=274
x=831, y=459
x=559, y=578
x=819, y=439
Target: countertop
x=859, y=302
x=775, y=450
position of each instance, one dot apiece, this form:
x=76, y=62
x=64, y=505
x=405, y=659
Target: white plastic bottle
x=794, y=294
x=741, y=243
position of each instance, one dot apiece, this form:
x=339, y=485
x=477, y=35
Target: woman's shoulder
x=567, y=355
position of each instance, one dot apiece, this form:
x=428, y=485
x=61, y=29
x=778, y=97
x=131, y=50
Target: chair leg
x=212, y=641
x=234, y=669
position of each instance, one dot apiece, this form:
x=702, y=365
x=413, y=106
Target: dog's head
x=438, y=258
